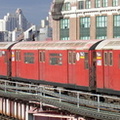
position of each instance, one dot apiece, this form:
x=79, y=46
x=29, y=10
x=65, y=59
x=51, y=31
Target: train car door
x=71, y=66
x=18, y=64
x=4, y=62
x=108, y=62
x=9, y=63
x=42, y=64
x=92, y=69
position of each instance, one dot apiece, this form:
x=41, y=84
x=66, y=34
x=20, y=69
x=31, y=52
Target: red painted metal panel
x=18, y=62
x=71, y=67
x=42, y=64
x=56, y=66
x=116, y=70
x=28, y=70
x=108, y=70
x=13, y=64
x=82, y=73
x=112, y=72
x=4, y=62
x=99, y=69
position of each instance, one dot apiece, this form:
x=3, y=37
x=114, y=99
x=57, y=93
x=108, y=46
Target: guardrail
x=76, y=102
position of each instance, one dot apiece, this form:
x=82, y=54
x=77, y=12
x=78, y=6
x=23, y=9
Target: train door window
x=110, y=59
x=86, y=61
x=105, y=58
x=5, y=56
x=119, y=61
x=18, y=57
x=70, y=58
x=42, y=56
x=74, y=58
x=0, y=53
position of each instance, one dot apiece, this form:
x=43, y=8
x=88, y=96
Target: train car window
x=0, y=53
x=74, y=58
x=29, y=58
x=42, y=56
x=110, y=59
x=119, y=61
x=86, y=64
x=106, y=59
x=18, y=57
x=55, y=58
x=70, y=58
x=5, y=56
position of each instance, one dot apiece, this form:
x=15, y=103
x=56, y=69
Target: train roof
x=53, y=45
x=109, y=44
x=5, y=45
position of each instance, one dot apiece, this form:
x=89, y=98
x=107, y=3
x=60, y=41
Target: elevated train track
x=74, y=102
x=4, y=117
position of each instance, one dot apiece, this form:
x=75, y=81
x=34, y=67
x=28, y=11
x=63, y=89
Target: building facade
x=13, y=25
x=45, y=31
x=15, y=20
x=85, y=19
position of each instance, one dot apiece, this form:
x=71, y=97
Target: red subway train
x=84, y=65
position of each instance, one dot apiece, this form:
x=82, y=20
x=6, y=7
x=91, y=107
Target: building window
x=97, y=3
x=66, y=6
x=81, y=4
x=85, y=28
x=115, y=2
x=105, y=3
x=88, y=4
x=64, y=29
x=101, y=27
x=29, y=58
x=116, y=26
x=101, y=21
x=55, y=58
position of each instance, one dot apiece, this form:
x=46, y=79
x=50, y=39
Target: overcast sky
x=33, y=10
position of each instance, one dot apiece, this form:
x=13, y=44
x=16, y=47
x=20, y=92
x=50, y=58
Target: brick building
x=85, y=19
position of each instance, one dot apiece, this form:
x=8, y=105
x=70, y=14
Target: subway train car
x=5, y=59
x=84, y=65
x=108, y=66
x=68, y=64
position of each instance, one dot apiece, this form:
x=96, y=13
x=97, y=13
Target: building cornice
x=91, y=12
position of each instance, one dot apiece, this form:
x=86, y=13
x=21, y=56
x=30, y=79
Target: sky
x=33, y=10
